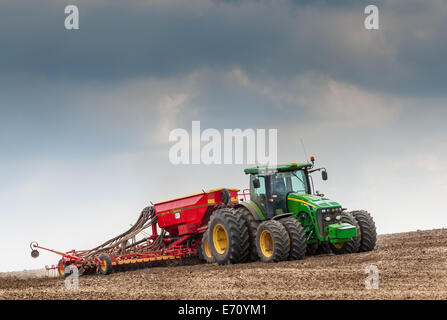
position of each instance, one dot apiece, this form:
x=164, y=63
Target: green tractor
x=285, y=219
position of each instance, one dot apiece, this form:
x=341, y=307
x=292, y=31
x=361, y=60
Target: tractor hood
x=313, y=200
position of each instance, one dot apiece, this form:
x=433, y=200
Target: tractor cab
x=272, y=187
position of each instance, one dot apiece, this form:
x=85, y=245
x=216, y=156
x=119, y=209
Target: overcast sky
x=85, y=114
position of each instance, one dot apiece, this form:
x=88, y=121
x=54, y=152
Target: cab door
x=258, y=195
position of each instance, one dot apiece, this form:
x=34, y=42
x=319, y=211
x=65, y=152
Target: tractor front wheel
x=272, y=241
x=315, y=249
x=368, y=234
x=228, y=235
x=351, y=246
x=311, y=249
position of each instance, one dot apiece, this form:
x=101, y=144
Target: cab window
x=258, y=195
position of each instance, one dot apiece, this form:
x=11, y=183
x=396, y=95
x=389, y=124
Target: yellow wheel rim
x=62, y=269
x=220, y=239
x=338, y=245
x=266, y=243
x=206, y=246
x=104, y=265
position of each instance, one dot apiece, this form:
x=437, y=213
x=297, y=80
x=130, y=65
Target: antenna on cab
x=304, y=149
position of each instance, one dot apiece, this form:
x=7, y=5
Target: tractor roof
x=280, y=167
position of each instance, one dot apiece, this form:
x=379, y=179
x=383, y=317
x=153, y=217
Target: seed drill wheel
x=252, y=225
x=228, y=236
x=80, y=270
x=87, y=270
x=272, y=241
x=122, y=268
x=105, y=266
x=61, y=269
x=348, y=246
x=206, y=250
x=132, y=266
x=368, y=234
x=297, y=238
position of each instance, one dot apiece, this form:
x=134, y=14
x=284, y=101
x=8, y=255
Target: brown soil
x=412, y=265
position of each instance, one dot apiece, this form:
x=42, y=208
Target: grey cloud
x=118, y=41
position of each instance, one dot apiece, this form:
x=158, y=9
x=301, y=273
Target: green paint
x=341, y=231
x=256, y=209
x=280, y=168
x=307, y=208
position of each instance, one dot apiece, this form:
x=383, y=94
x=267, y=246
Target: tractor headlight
x=324, y=210
x=327, y=218
x=338, y=217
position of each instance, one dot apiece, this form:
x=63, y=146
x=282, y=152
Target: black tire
x=195, y=245
x=133, y=267
x=67, y=269
x=129, y=267
x=311, y=249
x=225, y=196
x=348, y=246
x=315, y=249
x=323, y=248
x=368, y=233
x=272, y=237
x=252, y=225
x=81, y=270
x=297, y=237
x=106, y=264
x=88, y=270
x=61, y=269
x=233, y=246
x=205, y=249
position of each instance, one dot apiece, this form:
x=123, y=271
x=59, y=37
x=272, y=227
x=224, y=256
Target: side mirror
x=256, y=183
x=324, y=175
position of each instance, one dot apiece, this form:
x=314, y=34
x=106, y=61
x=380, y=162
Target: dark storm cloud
x=279, y=39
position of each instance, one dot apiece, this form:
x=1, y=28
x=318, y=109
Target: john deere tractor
x=285, y=219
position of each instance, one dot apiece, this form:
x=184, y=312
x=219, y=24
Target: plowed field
x=411, y=265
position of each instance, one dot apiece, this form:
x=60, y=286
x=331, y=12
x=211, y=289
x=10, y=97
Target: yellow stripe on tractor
x=298, y=200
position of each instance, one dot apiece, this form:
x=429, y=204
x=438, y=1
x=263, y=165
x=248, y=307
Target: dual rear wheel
x=279, y=240
x=232, y=237
x=227, y=238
